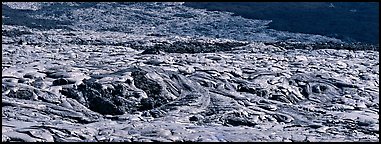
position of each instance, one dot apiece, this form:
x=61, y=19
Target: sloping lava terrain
x=95, y=85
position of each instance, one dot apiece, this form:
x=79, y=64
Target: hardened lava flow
x=90, y=82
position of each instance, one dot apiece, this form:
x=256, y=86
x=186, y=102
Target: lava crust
x=92, y=84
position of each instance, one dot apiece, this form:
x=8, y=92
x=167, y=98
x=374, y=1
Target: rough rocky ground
x=91, y=85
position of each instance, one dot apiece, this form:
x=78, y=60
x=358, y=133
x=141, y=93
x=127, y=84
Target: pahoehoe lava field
x=148, y=72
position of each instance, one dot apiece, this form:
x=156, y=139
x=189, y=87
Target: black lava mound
x=191, y=47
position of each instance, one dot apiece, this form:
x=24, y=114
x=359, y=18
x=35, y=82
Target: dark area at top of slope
x=204, y=47
x=22, y=18
x=327, y=45
x=348, y=21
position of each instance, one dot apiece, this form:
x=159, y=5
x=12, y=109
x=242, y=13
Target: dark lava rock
x=147, y=103
x=22, y=94
x=192, y=47
x=118, y=98
x=245, y=88
x=283, y=118
x=157, y=49
x=91, y=95
x=103, y=106
x=101, y=100
x=62, y=81
x=151, y=88
x=194, y=118
x=23, y=80
x=57, y=74
x=236, y=120
x=365, y=77
x=319, y=88
x=29, y=75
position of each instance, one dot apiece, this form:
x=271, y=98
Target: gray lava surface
x=90, y=84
